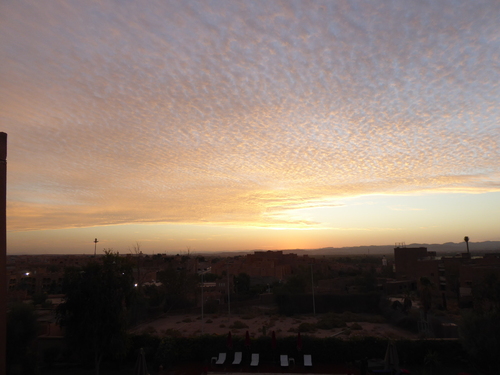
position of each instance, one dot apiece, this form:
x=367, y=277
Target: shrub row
x=290, y=304
x=173, y=350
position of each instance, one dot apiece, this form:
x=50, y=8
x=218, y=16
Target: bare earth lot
x=191, y=325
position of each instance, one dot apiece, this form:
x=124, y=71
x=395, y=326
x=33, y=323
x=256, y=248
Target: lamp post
x=202, y=303
x=312, y=287
x=228, y=293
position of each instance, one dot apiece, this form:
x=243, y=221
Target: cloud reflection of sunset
x=338, y=123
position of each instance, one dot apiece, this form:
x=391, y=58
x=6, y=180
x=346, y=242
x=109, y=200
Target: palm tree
x=466, y=239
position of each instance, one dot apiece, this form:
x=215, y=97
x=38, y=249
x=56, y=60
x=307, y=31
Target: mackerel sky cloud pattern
x=239, y=112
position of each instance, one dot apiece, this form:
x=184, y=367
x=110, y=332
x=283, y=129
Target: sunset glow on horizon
x=236, y=125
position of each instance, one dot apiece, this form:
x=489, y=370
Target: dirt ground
x=254, y=322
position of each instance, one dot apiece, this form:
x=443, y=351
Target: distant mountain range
x=445, y=248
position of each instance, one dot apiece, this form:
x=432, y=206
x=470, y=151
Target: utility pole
x=3, y=252
x=312, y=286
x=202, y=302
x=228, y=292
x=95, y=247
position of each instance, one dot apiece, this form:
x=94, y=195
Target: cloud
x=199, y=112
x=402, y=208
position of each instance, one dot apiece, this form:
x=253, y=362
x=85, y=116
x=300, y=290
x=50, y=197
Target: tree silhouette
x=479, y=336
x=425, y=291
x=242, y=284
x=95, y=307
x=21, y=331
x=178, y=286
x=466, y=239
x=480, y=327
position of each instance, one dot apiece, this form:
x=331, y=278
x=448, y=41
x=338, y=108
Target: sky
x=239, y=125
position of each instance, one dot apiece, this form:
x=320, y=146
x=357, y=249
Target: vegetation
x=480, y=328
x=179, y=288
x=403, y=319
x=480, y=337
x=95, y=309
x=242, y=284
x=306, y=327
x=330, y=321
x=290, y=303
x=209, y=277
x=171, y=350
x=367, y=281
x=238, y=324
x=39, y=298
x=425, y=294
x=21, y=331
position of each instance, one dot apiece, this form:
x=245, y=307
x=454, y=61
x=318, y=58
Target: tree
x=208, y=277
x=367, y=281
x=21, y=331
x=425, y=291
x=39, y=298
x=480, y=328
x=242, y=284
x=487, y=293
x=285, y=295
x=407, y=303
x=94, y=312
x=178, y=286
x=138, y=264
x=480, y=337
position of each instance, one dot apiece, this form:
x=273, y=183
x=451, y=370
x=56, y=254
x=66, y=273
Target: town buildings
x=451, y=276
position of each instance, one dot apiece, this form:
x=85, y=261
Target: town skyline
x=445, y=249
x=229, y=126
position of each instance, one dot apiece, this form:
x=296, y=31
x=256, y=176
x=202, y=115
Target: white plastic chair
x=221, y=359
x=237, y=358
x=255, y=360
x=308, y=360
x=284, y=360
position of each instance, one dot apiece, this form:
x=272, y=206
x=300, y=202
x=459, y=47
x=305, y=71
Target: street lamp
x=312, y=286
x=202, y=303
x=228, y=292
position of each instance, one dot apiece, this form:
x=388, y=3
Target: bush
x=172, y=350
x=307, y=327
x=39, y=298
x=237, y=324
x=355, y=327
x=409, y=323
x=149, y=330
x=167, y=351
x=480, y=337
x=172, y=332
x=50, y=355
x=211, y=306
x=330, y=321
